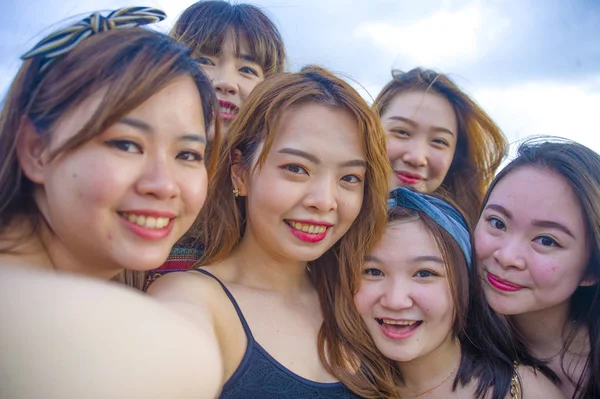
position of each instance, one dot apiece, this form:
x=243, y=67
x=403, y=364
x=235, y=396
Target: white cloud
x=445, y=39
x=543, y=108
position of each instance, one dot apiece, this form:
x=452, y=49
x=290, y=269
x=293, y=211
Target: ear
x=239, y=174
x=31, y=151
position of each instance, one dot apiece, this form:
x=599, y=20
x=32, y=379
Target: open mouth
x=148, y=222
x=228, y=110
x=399, y=327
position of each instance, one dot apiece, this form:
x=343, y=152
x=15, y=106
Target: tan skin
x=266, y=271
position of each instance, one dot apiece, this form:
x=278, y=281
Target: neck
x=544, y=331
x=43, y=250
x=432, y=371
x=261, y=269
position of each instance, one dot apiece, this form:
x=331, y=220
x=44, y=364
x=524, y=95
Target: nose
x=322, y=195
x=158, y=179
x=415, y=152
x=225, y=79
x=509, y=253
x=397, y=295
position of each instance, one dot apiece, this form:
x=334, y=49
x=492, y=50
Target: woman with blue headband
x=421, y=328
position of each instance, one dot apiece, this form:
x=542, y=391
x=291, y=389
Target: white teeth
x=149, y=222
x=399, y=322
x=308, y=228
x=227, y=110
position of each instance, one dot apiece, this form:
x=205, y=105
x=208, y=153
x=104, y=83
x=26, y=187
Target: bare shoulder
x=189, y=286
x=535, y=385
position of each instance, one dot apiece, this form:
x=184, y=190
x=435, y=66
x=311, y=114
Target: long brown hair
x=222, y=220
x=130, y=65
x=579, y=166
x=205, y=25
x=480, y=148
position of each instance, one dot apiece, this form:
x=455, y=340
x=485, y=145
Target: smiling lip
x=309, y=237
x=406, y=332
x=145, y=232
x=409, y=178
x=231, y=107
x=501, y=284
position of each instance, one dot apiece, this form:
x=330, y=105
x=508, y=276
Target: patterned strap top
x=515, y=383
x=260, y=376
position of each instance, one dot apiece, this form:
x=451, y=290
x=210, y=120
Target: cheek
x=394, y=148
x=560, y=273
x=441, y=162
x=88, y=179
x=193, y=189
x=365, y=299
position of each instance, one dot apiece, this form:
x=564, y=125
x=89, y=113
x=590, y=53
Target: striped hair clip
x=64, y=40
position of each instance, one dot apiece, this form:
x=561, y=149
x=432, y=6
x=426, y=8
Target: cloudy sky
x=534, y=65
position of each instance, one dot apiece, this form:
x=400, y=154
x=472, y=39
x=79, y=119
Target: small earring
x=236, y=192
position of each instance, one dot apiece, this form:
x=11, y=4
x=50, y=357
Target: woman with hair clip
x=300, y=188
x=412, y=322
x=538, y=243
x=237, y=46
x=102, y=170
x=438, y=138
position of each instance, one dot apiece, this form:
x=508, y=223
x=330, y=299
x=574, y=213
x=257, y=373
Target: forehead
x=405, y=240
x=420, y=104
x=534, y=193
x=329, y=133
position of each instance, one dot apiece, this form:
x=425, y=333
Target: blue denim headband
x=444, y=214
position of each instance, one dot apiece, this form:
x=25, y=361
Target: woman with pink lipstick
x=538, y=244
x=103, y=138
x=236, y=45
x=412, y=323
x=300, y=188
x=438, y=138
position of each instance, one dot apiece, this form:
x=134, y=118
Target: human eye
x=125, y=145
x=496, y=223
x=425, y=273
x=190, y=156
x=204, y=61
x=296, y=169
x=546, y=241
x=352, y=179
x=373, y=272
x=250, y=71
x=400, y=132
x=441, y=142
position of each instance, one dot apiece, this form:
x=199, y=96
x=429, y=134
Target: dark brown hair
x=205, y=25
x=580, y=167
x=356, y=361
x=480, y=148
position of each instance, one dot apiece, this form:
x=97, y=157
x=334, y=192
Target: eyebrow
x=248, y=57
x=428, y=258
x=372, y=258
x=501, y=209
x=315, y=160
x=549, y=224
x=146, y=128
x=413, y=123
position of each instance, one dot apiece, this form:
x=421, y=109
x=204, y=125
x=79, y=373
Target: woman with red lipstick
x=237, y=46
x=538, y=245
x=103, y=136
x=300, y=188
x=438, y=138
x=412, y=323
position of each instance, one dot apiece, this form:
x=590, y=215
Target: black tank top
x=260, y=376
